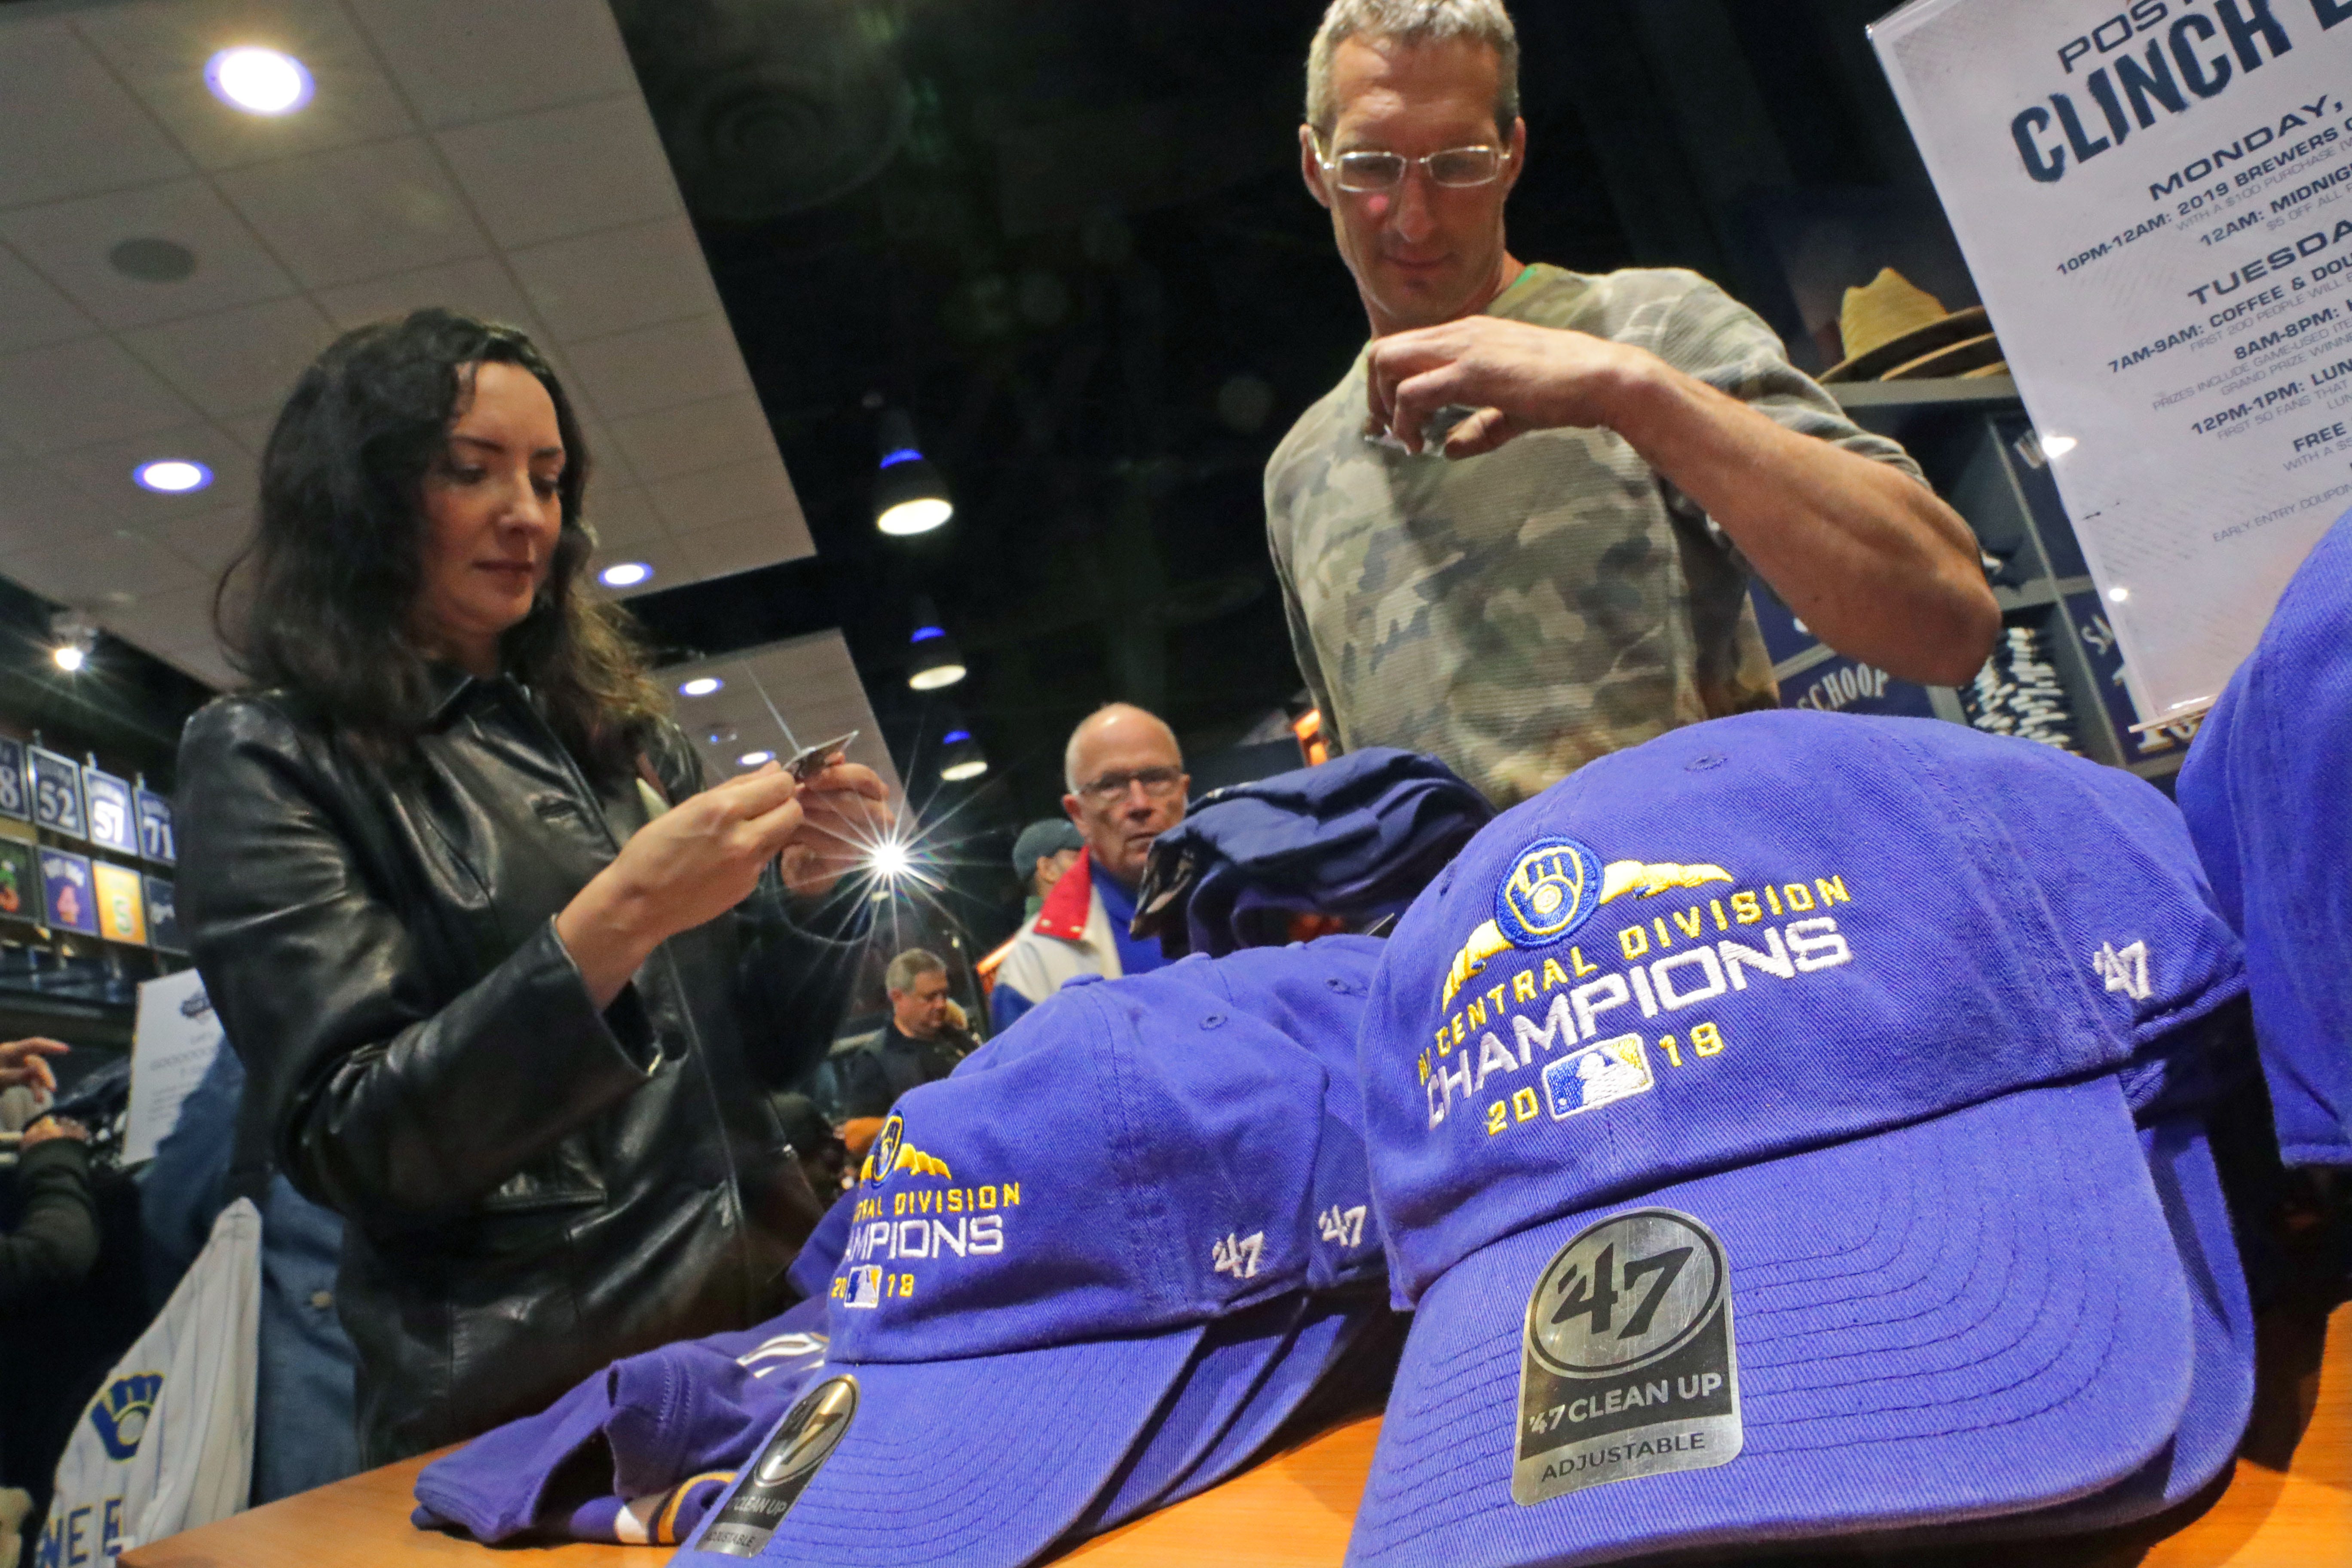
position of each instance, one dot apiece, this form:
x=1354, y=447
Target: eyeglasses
x=1456, y=168
x=1158, y=782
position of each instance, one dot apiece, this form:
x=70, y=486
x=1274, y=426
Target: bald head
x=1126, y=778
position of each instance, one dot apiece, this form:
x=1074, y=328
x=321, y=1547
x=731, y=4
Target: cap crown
x=1140, y=1159
x=1755, y=936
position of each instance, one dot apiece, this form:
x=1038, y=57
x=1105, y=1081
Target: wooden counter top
x=2287, y=1505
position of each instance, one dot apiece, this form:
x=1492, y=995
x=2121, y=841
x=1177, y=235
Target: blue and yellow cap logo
x=1553, y=888
x=892, y=1153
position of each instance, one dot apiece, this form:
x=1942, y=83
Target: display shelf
x=1956, y=392
x=1974, y=442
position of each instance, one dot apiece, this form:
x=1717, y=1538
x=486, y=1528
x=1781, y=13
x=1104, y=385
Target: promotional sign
x=2156, y=200
x=15, y=800
x=108, y=799
x=155, y=827
x=20, y=882
x=66, y=887
x=171, y=1045
x=57, y=793
x=122, y=908
x=163, y=915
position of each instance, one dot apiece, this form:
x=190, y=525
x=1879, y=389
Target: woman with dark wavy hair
x=509, y=982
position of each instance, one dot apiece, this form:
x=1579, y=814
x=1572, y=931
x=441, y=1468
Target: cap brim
x=985, y=1461
x=1328, y=1332
x=2222, y=1381
x=1968, y=1317
x=1235, y=1357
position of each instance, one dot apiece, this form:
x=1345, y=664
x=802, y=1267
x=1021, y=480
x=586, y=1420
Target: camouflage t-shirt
x=1520, y=613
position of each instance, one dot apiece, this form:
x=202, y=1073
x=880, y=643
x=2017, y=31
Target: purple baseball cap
x=1747, y=1133
x=1040, y=1248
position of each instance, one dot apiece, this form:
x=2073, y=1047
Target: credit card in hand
x=812, y=761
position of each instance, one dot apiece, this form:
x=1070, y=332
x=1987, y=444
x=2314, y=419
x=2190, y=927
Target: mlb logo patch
x=1600, y=1075
x=865, y=1286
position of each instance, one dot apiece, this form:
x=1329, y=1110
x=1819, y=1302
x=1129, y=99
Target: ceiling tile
x=622, y=514
x=708, y=434
x=206, y=665
x=251, y=431
x=86, y=570
x=173, y=618
x=74, y=394
x=237, y=362
x=103, y=470
x=660, y=367
x=595, y=284
x=72, y=128
x=69, y=241
x=692, y=503
x=669, y=561
x=31, y=312
x=362, y=212
x=460, y=60
x=562, y=172
x=209, y=539
x=160, y=49
x=39, y=500
x=480, y=287
x=745, y=545
x=608, y=464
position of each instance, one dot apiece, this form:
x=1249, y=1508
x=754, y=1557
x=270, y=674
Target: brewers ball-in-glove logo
x=892, y=1153
x=120, y=1415
x=1553, y=888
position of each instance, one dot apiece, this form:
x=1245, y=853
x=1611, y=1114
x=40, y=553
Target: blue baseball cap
x=1039, y=1248
x=1747, y=1133
x=2172, y=1090
x=2272, y=753
x=1255, y=1372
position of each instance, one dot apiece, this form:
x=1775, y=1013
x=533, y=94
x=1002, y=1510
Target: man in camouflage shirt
x=1568, y=577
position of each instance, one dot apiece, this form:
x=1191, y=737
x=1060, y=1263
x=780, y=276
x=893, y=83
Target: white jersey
x=168, y=1443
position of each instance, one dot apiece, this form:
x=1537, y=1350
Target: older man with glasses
x=1517, y=533
x=1127, y=782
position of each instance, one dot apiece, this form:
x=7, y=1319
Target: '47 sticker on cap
x=1628, y=1367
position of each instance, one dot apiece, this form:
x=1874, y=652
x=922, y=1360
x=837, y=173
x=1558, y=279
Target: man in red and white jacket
x=1127, y=782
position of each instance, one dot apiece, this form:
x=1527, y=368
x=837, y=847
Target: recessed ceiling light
x=2119, y=595
x=260, y=81
x=970, y=768
x=172, y=476
x=702, y=686
x=753, y=759
x=68, y=657
x=624, y=574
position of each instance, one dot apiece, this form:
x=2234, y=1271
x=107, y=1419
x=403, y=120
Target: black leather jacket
x=532, y=1188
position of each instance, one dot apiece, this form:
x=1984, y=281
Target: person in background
x=304, y=1430
x=1046, y=848
x=56, y=1238
x=1126, y=783
x=917, y=1044
x=1517, y=535
x=510, y=979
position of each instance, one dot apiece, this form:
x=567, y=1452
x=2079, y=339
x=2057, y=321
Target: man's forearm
x=1866, y=556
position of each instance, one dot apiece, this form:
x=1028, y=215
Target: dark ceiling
x=1068, y=237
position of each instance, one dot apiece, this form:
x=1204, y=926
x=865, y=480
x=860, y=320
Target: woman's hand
x=846, y=813
x=688, y=866
x=21, y=1063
